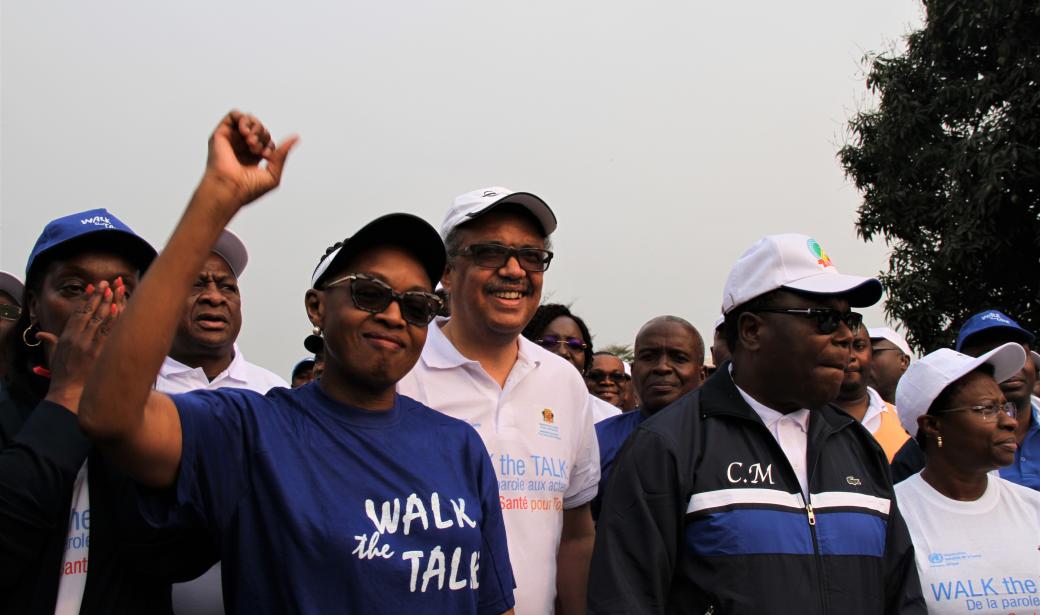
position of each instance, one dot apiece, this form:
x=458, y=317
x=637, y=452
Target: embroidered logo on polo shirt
x=546, y=428
x=817, y=251
x=852, y=480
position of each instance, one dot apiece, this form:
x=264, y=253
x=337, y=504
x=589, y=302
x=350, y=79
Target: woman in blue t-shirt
x=339, y=496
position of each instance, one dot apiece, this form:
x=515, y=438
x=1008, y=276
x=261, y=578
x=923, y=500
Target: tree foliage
x=621, y=351
x=949, y=167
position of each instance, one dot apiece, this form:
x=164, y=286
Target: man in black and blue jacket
x=754, y=494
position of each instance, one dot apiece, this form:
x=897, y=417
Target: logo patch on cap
x=488, y=193
x=817, y=251
x=997, y=317
x=98, y=221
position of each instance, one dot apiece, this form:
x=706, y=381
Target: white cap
x=718, y=322
x=12, y=285
x=474, y=204
x=628, y=368
x=231, y=248
x=927, y=377
x=796, y=262
x=885, y=333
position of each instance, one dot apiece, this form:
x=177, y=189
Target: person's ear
x=749, y=331
x=904, y=361
x=929, y=424
x=314, y=302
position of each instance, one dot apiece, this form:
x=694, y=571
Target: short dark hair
x=698, y=341
x=548, y=312
x=453, y=242
x=730, y=328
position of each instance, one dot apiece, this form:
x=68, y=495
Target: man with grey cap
x=204, y=355
x=529, y=405
x=754, y=493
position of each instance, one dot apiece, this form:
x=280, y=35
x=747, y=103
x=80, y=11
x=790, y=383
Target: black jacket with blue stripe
x=703, y=513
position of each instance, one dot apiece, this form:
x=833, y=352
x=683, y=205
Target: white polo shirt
x=539, y=432
x=176, y=377
x=202, y=596
x=601, y=410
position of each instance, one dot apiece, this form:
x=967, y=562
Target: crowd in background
x=451, y=445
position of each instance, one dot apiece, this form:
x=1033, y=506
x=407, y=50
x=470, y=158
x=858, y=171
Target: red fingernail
x=90, y=289
x=119, y=281
x=115, y=308
x=108, y=293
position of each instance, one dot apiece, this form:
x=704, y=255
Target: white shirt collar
x=237, y=370
x=769, y=416
x=440, y=353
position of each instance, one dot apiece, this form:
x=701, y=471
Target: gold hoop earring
x=25, y=337
x=938, y=441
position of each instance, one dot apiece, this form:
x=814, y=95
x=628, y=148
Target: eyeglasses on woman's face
x=988, y=411
x=373, y=295
x=552, y=342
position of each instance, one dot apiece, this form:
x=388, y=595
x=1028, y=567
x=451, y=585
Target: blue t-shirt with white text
x=319, y=507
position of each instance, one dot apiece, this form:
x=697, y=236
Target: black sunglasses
x=598, y=376
x=494, y=256
x=550, y=342
x=372, y=295
x=827, y=319
x=9, y=312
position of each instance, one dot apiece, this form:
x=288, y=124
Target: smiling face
x=213, y=314
x=970, y=443
x=365, y=350
x=62, y=289
x=605, y=378
x=668, y=363
x=496, y=303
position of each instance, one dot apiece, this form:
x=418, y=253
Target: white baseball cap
x=885, y=333
x=472, y=205
x=12, y=285
x=797, y=262
x=232, y=249
x=719, y=322
x=927, y=377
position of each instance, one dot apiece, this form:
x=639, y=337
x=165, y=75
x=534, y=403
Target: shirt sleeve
x=902, y=582
x=639, y=530
x=218, y=432
x=584, y=478
x=495, y=594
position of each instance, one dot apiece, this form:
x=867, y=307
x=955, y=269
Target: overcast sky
x=667, y=136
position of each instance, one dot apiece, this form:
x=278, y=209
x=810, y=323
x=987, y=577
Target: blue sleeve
x=495, y=594
x=218, y=433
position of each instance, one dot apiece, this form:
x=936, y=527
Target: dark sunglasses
x=598, y=376
x=550, y=342
x=495, y=256
x=9, y=312
x=827, y=319
x=372, y=295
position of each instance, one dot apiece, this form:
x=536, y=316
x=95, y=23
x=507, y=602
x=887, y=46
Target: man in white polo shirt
x=204, y=355
x=530, y=406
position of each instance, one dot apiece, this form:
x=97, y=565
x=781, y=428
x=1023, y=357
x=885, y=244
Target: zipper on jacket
x=812, y=516
x=812, y=531
x=710, y=611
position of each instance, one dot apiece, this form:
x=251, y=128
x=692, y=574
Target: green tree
x=621, y=351
x=949, y=167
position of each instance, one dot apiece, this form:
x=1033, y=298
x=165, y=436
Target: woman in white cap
x=336, y=497
x=975, y=535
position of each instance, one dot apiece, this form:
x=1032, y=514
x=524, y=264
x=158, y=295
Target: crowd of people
x=450, y=445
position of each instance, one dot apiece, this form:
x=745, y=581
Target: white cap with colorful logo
x=927, y=377
x=797, y=262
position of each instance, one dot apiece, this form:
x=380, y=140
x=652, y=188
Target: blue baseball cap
x=92, y=227
x=992, y=319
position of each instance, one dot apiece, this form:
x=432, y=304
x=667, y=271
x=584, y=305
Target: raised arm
x=138, y=428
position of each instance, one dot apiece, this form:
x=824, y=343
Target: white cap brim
x=232, y=249
x=928, y=377
x=886, y=333
x=860, y=291
x=12, y=285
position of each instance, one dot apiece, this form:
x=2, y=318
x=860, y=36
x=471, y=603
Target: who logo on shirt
x=546, y=428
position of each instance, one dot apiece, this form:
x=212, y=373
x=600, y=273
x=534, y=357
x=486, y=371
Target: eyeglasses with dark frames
x=827, y=319
x=988, y=412
x=373, y=295
x=9, y=312
x=551, y=342
x=495, y=256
